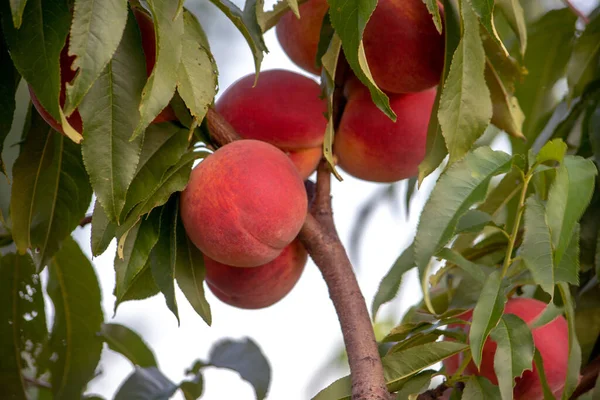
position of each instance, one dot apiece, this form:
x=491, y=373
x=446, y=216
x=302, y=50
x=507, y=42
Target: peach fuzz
x=284, y=109
x=551, y=340
x=244, y=204
x=258, y=287
x=371, y=146
x=146, y=27
x=299, y=37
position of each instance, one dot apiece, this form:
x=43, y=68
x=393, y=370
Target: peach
x=244, y=204
x=372, y=147
x=67, y=74
x=404, y=50
x=258, y=287
x=284, y=109
x=552, y=341
x=306, y=160
x=299, y=38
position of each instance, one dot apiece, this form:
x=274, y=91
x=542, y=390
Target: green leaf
x=514, y=14
x=568, y=268
x=190, y=272
x=8, y=89
x=93, y=44
x=485, y=12
x=161, y=84
x=245, y=358
x=128, y=343
x=247, y=22
x=553, y=150
x=574, y=363
x=434, y=10
x=480, y=388
x=507, y=114
x=197, y=73
x=486, y=314
x=75, y=293
x=545, y=65
x=139, y=243
x=583, y=67
x=390, y=284
x=398, y=367
x=469, y=267
x=17, y=8
x=462, y=185
x=465, y=105
x=539, y=365
x=23, y=331
x=268, y=19
x=473, y=221
x=436, y=149
x=415, y=385
x=51, y=191
x=329, y=62
x=163, y=257
x=349, y=19
x=142, y=287
x=514, y=354
x=536, y=249
x=192, y=389
x=110, y=114
x=103, y=231
x=146, y=384
x=35, y=47
x=568, y=198
x=164, y=145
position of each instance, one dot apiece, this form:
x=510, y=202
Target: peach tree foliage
x=495, y=223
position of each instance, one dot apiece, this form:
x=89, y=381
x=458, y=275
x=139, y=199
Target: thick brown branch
x=85, y=220
x=589, y=374
x=220, y=130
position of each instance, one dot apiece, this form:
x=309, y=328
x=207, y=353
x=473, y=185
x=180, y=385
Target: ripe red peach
x=258, y=287
x=372, y=147
x=244, y=204
x=284, y=109
x=404, y=50
x=67, y=75
x=552, y=341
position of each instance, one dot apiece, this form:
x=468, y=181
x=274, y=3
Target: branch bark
x=319, y=236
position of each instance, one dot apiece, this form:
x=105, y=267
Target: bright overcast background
x=300, y=334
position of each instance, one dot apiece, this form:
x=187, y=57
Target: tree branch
x=319, y=236
x=576, y=11
x=589, y=374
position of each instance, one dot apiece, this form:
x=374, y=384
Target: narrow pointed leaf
x=247, y=359
x=514, y=14
x=434, y=10
x=514, y=354
x=268, y=19
x=469, y=267
x=139, y=243
x=486, y=314
x=247, y=22
x=485, y=12
x=35, y=47
x=75, y=293
x=568, y=268
x=436, y=149
x=479, y=388
x=574, y=363
x=539, y=365
x=103, y=231
x=190, y=272
x=146, y=384
x=23, y=331
x=553, y=150
x=536, y=249
x=349, y=19
x=583, y=65
x=473, y=221
x=197, y=73
x=93, y=44
x=142, y=287
x=465, y=105
x=17, y=8
x=8, y=89
x=415, y=385
x=51, y=191
x=163, y=257
x=390, y=284
x=110, y=113
x=161, y=84
x=507, y=114
x=128, y=343
x=568, y=198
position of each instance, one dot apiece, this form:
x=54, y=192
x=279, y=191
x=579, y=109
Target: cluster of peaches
x=245, y=204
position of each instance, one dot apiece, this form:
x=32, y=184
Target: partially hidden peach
x=372, y=147
x=404, y=50
x=244, y=204
x=284, y=109
x=67, y=75
x=552, y=341
x=258, y=287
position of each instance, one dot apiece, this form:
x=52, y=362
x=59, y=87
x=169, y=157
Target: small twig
x=577, y=12
x=85, y=220
x=37, y=382
x=589, y=374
